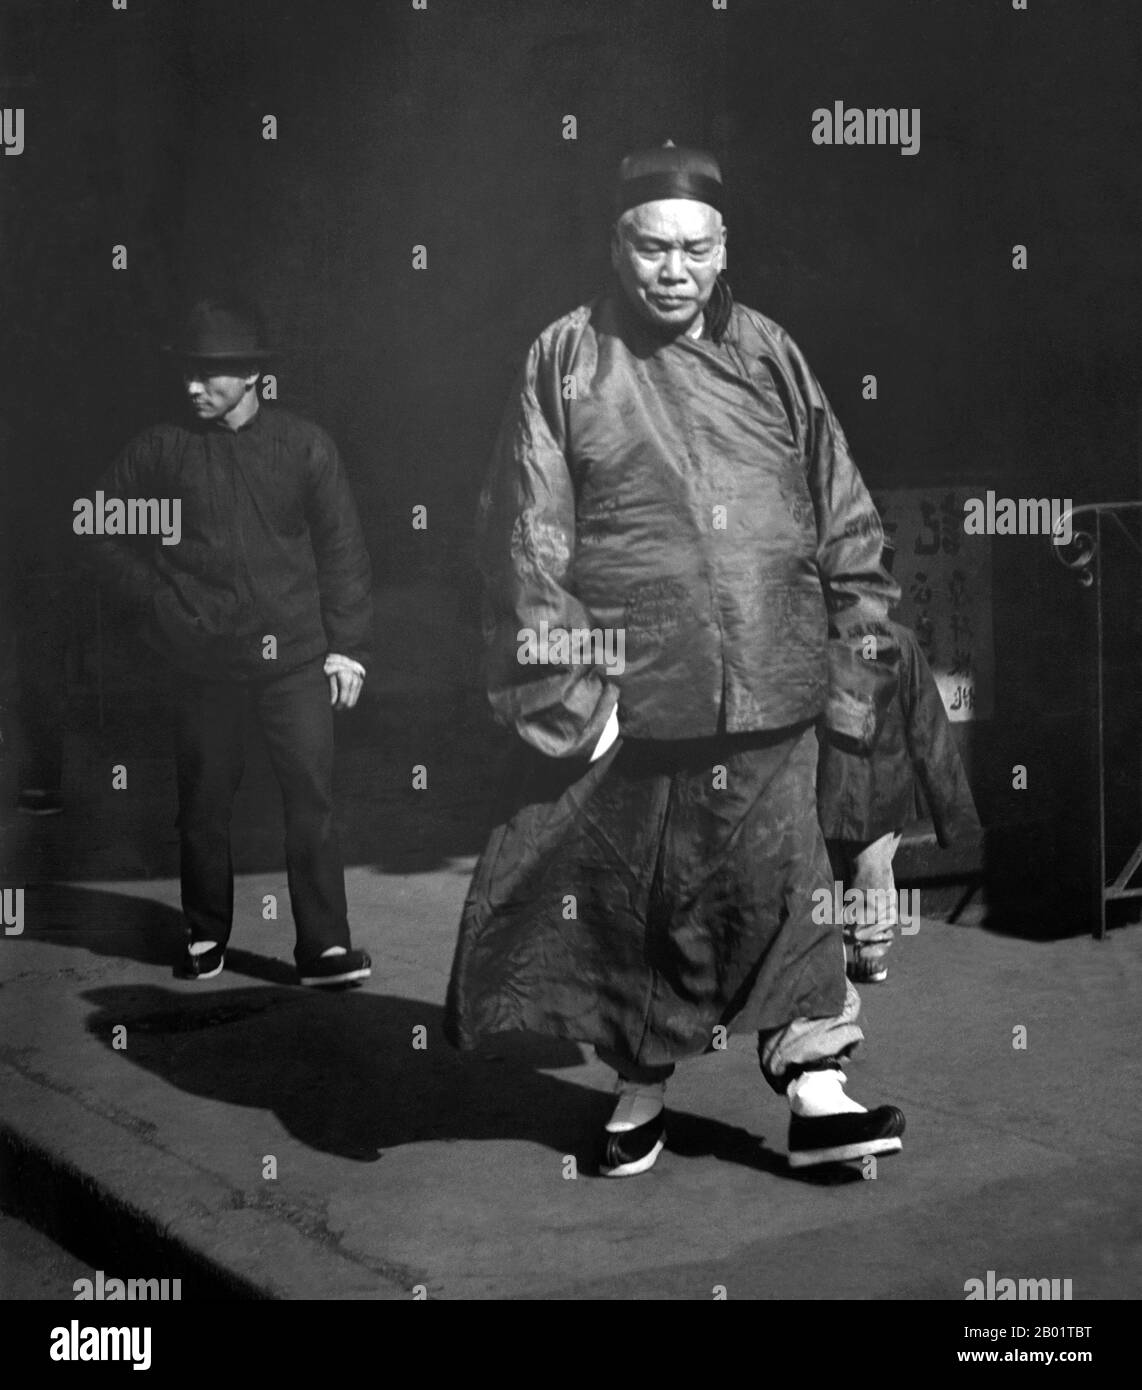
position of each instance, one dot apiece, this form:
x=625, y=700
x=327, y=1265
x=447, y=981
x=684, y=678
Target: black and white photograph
x=570, y=668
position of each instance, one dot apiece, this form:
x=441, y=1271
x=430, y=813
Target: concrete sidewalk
x=399, y=1166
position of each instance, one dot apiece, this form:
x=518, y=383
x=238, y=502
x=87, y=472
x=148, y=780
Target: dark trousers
x=636, y=905
x=210, y=732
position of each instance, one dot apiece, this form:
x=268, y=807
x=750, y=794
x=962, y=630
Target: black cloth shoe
x=633, y=1151
x=203, y=966
x=34, y=802
x=862, y=971
x=836, y=1138
x=346, y=969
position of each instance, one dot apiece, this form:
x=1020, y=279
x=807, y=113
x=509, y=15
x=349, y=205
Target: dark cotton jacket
x=271, y=545
x=700, y=498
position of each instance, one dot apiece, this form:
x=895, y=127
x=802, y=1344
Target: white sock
x=872, y=866
x=637, y=1105
x=816, y=1093
x=198, y=948
x=333, y=951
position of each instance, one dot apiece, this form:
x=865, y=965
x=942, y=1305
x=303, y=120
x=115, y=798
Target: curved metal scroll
x=1080, y=553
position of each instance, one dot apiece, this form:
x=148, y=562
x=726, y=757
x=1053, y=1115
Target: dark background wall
x=444, y=128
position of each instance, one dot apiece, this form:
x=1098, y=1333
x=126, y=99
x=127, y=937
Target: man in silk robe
x=682, y=574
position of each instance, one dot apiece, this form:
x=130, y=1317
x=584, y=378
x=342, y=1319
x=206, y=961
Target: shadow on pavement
x=343, y=1074
x=349, y=1073
x=106, y=924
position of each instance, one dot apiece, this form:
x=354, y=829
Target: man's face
x=667, y=255
x=213, y=394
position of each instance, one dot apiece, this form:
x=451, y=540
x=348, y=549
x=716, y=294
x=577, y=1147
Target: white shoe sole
x=317, y=981
x=841, y=1152
x=209, y=974
x=639, y=1165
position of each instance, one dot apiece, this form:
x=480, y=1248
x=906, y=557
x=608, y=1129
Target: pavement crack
x=316, y=1227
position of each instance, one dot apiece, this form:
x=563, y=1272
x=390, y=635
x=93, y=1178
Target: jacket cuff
x=555, y=742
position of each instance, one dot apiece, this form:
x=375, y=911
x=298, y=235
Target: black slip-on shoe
x=344, y=969
x=632, y=1151
x=862, y=971
x=203, y=966
x=34, y=802
x=837, y=1138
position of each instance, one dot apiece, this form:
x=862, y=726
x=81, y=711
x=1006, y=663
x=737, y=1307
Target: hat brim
x=191, y=355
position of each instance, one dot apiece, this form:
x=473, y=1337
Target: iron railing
x=1082, y=554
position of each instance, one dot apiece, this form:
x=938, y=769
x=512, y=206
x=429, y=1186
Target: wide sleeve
x=526, y=544
x=344, y=574
x=859, y=592
x=123, y=563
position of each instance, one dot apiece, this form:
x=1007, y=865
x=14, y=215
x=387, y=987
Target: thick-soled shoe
x=636, y=1132
x=862, y=971
x=346, y=969
x=837, y=1138
x=34, y=802
x=203, y=966
x=633, y=1151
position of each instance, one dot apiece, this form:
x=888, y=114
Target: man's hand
x=346, y=678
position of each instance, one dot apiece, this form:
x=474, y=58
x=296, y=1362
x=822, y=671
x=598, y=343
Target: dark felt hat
x=222, y=330
x=668, y=171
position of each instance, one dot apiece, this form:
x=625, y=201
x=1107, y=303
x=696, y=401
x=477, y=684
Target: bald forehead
x=673, y=220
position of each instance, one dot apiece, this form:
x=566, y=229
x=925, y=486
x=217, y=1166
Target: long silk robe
x=701, y=499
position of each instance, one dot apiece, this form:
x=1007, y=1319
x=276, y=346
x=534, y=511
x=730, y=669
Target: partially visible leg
x=297, y=719
x=862, y=799
x=872, y=864
x=869, y=933
x=636, y=1131
x=803, y=1058
x=632, y=1071
x=803, y=1061
x=209, y=729
x=809, y=1043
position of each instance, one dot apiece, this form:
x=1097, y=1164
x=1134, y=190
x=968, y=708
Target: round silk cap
x=668, y=171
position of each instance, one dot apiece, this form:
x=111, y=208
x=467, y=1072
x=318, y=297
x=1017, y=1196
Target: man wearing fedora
x=669, y=473
x=262, y=609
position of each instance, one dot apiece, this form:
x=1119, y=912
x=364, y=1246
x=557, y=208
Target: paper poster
x=945, y=581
